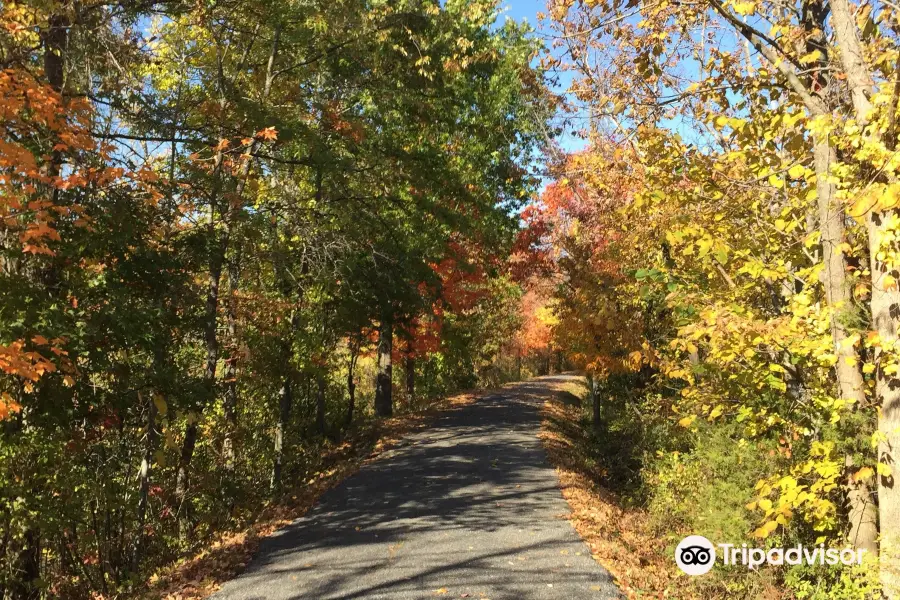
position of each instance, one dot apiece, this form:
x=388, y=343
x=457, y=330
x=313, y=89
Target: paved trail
x=469, y=508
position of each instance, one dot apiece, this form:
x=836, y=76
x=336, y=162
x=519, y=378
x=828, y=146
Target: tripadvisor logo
x=696, y=555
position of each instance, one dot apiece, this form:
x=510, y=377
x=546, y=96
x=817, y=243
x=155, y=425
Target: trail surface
x=469, y=508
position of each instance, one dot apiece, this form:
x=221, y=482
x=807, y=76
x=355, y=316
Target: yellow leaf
x=686, y=421
x=863, y=474
x=766, y=530
x=797, y=171
x=744, y=8
x=765, y=504
x=811, y=57
x=160, y=403
x=862, y=204
x=884, y=470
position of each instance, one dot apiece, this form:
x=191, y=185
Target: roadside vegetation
x=721, y=260
x=233, y=236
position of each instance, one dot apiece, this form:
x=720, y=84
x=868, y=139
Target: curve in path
x=469, y=508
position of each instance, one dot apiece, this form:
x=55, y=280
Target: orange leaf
x=8, y=406
x=269, y=133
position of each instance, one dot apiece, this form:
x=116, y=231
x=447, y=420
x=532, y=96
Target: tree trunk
x=885, y=304
x=181, y=479
x=218, y=253
x=54, y=38
x=410, y=368
x=27, y=568
x=852, y=58
x=285, y=400
x=595, y=402
x=384, y=406
x=55, y=41
x=861, y=509
x=284, y=414
x=351, y=392
x=885, y=307
x=351, y=384
x=427, y=369
x=837, y=293
x=231, y=392
x=144, y=490
x=320, y=402
x=209, y=380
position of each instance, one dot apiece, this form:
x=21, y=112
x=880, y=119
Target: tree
x=749, y=131
x=205, y=210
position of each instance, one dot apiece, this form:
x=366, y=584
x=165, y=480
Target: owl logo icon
x=695, y=555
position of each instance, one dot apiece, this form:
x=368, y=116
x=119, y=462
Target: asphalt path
x=469, y=508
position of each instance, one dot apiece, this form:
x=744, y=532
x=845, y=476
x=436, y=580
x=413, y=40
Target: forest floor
x=467, y=507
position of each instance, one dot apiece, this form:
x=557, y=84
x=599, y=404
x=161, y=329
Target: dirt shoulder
x=620, y=537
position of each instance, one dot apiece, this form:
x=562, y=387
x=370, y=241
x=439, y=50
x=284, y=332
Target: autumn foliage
x=224, y=231
x=722, y=254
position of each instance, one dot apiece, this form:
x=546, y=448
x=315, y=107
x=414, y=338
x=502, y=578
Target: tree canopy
x=212, y=214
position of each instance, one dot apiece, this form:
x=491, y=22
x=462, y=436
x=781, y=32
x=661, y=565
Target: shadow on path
x=468, y=508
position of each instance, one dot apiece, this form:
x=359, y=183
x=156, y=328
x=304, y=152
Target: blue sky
x=519, y=9
x=528, y=10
